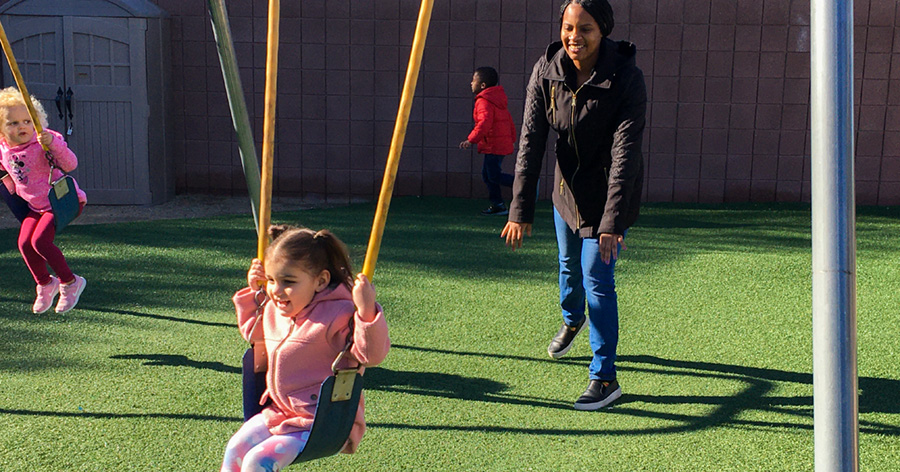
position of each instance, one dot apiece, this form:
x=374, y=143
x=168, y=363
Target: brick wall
x=728, y=83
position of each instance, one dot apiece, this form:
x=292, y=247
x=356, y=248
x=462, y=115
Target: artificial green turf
x=714, y=356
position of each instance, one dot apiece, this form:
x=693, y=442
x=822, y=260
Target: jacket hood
x=613, y=55
x=495, y=95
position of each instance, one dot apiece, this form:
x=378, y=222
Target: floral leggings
x=254, y=449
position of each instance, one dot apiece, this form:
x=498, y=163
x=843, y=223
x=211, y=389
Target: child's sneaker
x=45, y=296
x=69, y=294
x=499, y=209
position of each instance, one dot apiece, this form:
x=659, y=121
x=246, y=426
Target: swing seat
x=335, y=414
x=339, y=398
x=253, y=385
x=17, y=205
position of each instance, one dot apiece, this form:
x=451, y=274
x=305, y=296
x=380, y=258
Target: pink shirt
x=300, y=360
x=30, y=170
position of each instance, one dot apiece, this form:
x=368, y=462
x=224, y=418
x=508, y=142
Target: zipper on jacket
x=553, y=103
x=575, y=146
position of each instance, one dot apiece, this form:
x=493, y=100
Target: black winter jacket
x=599, y=167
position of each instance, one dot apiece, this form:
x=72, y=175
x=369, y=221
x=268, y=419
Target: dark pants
x=494, y=177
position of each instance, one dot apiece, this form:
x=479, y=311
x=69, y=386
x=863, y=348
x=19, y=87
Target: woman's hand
x=609, y=246
x=465, y=144
x=364, y=297
x=514, y=233
x=256, y=276
x=45, y=138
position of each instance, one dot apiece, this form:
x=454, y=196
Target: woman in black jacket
x=587, y=89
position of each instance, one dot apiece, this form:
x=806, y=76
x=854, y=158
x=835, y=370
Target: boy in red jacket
x=494, y=133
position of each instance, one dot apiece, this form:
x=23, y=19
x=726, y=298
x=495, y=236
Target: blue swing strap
x=62, y=196
x=17, y=205
x=253, y=364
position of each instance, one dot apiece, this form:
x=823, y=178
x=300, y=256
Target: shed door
x=102, y=62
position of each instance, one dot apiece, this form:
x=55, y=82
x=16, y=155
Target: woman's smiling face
x=580, y=35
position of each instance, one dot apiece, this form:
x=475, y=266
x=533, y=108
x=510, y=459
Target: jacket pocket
x=304, y=401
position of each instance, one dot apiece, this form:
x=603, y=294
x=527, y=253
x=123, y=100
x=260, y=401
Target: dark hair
x=316, y=250
x=488, y=76
x=601, y=10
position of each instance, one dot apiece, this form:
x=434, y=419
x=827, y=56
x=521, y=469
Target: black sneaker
x=562, y=342
x=495, y=210
x=599, y=394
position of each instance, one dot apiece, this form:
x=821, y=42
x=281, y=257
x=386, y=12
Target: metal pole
x=835, y=402
x=390, y=171
x=249, y=161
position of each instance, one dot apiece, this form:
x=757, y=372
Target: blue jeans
x=584, y=276
x=494, y=177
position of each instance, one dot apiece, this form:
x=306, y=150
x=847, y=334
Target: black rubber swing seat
x=339, y=398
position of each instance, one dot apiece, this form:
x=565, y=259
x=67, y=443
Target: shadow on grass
x=92, y=415
x=178, y=360
x=876, y=396
x=152, y=316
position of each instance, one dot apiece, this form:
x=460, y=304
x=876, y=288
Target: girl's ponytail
x=336, y=254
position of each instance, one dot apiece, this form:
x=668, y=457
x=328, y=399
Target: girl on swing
x=29, y=173
x=311, y=306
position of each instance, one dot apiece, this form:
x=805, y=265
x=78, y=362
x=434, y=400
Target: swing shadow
x=157, y=317
x=877, y=395
x=178, y=360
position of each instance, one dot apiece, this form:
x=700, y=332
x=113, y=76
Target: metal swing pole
x=835, y=401
x=268, y=145
x=393, y=161
x=239, y=116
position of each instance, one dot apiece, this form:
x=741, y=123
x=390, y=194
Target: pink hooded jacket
x=30, y=170
x=301, y=361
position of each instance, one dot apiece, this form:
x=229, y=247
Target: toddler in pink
x=312, y=304
x=23, y=157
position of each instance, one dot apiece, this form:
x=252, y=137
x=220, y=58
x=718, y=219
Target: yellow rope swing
x=340, y=393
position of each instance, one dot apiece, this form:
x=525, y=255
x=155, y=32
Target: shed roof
x=90, y=8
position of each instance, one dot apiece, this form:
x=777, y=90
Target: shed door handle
x=59, y=97
x=69, y=94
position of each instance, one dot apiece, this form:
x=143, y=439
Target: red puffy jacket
x=494, y=130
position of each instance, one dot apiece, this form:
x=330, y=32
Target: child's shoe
x=45, y=295
x=69, y=294
x=496, y=209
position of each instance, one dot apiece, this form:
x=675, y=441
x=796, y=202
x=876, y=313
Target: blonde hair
x=11, y=97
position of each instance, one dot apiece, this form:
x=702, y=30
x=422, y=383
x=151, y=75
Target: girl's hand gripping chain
x=364, y=297
x=256, y=276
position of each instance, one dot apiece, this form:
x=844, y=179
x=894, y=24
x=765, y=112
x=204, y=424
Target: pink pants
x=254, y=449
x=37, y=248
